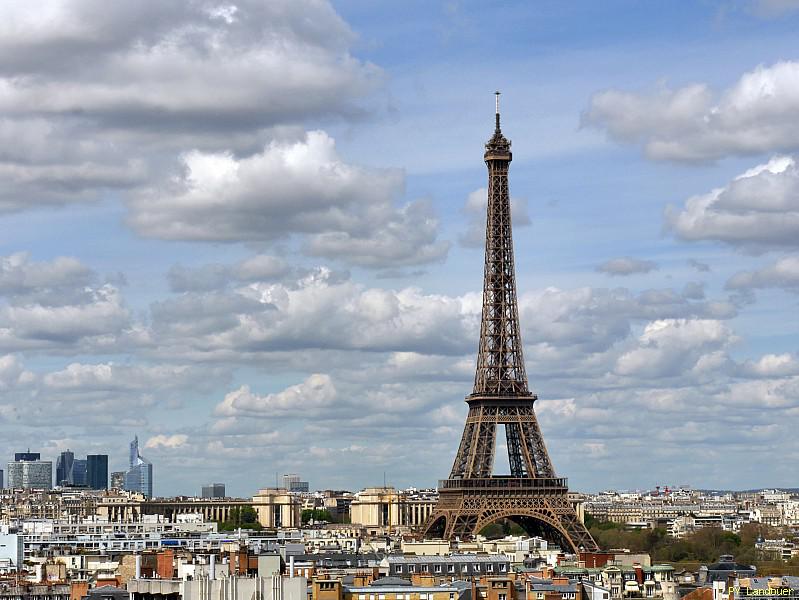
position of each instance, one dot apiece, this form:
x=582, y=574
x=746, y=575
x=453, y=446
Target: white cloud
x=150, y=65
x=626, y=265
x=299, y=187
x=260, y=267
x=101, y=98
x=169, y=442
x=23, y=279
x=784, y=273
x=760, y=113
x=99, y=319
x=316, y=393
x=671, y=347
x=772, y=365
x=759, y=209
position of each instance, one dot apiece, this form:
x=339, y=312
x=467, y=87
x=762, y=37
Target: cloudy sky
x=250, y=233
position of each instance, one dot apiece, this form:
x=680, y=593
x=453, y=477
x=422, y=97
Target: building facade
x=30, y=474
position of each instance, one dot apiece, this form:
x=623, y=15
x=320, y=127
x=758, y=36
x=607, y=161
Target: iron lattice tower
x=532, y=495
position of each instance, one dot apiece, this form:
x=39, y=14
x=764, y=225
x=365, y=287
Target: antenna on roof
x=497, y=95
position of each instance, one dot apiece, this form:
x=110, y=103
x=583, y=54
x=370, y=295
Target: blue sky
x=246, y=233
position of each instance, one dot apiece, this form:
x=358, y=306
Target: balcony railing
x=504, y=483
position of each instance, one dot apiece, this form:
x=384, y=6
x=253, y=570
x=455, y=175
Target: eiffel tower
x=532, y=495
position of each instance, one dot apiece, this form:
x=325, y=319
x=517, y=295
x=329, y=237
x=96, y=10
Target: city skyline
x=250, y=234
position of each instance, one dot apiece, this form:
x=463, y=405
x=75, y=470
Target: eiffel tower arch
x=532, y=495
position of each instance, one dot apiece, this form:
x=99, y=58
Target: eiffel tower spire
x=500, y=361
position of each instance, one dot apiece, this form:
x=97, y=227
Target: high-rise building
x=63, y=468
x=118, y=480
x=27, y=455
x=30, y=474
x=213, y=490
x=139, y=477
x=97, y=471
x=79, y=475
x=1, y=479
x=292, y=483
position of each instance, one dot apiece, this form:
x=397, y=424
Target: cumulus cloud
x=626, y=265
x=260, y=267
x=316, y=393
x=169, y=442
x=97, y=98
x=98, y=319
x=475, y=211
x=784, y=273
x=193, y=66
x=671, y=346
x=300, y=187
x=760, y=113
x=23, y=280
x=759, y=209
x=109, y=377
x=772, y=365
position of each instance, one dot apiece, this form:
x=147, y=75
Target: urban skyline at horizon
x=252, y=233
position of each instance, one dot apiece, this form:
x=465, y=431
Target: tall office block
x=213, y=490
x=79, y=475
x=63, y=468
x=27, y=455
x=97, y=471
x=292, y=483
x=139, y=477
x=30, y=474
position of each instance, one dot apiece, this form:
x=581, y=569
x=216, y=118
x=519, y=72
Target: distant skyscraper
x=79, y=476
x=139, y=477
x=97, y=471
x=118, y=480
x=30, y=473
x=292, y=483
x=27, y=455
x=213, y=490
x=1, y=479
x=63, y=468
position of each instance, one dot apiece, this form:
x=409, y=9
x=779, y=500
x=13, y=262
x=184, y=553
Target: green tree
x=316, y=515
x=244, y=517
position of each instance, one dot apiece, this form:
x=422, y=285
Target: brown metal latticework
x=531, y=495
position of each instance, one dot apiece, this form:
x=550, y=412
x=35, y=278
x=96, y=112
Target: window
x=502, y=596
x=437, y=568
x=450, y=568
x=489, y=568
x=411, y=568
x=503, y=568
x=399, y=568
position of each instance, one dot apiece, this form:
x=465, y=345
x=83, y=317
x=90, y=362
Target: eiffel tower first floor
x=532, y=496
x=540, y=506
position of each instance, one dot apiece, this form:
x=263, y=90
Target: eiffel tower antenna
x=532, y=495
